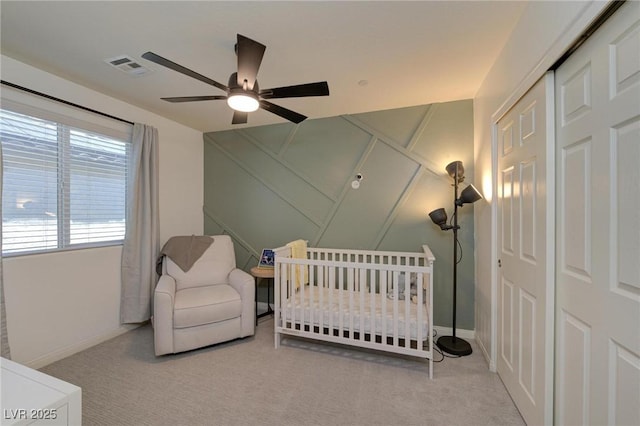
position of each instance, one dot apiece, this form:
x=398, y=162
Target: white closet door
x=598, y=223
x=526, y=252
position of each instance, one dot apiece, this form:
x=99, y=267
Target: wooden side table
x=263, y=273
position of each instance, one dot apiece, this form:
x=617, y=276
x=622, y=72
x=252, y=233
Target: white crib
x=369, y=299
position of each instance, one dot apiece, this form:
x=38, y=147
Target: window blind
x=63, y=186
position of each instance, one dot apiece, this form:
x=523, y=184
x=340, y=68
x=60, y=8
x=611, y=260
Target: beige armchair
x=211, y=303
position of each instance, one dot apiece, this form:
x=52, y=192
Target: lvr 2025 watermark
x=31, y=413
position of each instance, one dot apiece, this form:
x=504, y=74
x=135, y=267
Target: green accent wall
x=268, y=185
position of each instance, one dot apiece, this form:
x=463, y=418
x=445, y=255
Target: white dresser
x=30, y=397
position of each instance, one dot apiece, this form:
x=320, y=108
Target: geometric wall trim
x=267, y=185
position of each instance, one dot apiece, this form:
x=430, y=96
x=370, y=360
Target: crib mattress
x=341, y=310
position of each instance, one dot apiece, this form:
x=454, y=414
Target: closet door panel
x=598, y=218
x=526, y=250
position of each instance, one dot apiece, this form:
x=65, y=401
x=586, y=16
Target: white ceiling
x=409, y=53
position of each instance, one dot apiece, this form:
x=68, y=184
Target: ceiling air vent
x=126, y=64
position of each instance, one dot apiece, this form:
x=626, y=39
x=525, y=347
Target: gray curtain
x=4, y=344
x=142, y=239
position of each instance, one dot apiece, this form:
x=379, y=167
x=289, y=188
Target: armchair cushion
x=205, y=305
x=213, y=267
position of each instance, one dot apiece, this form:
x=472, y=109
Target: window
x=63, y=186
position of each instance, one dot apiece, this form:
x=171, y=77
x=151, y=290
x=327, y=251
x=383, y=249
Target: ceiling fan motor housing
x=236, y=87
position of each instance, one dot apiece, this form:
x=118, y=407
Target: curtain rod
x=53, y=98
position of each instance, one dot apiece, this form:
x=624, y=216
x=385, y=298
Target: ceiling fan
x=243, y=94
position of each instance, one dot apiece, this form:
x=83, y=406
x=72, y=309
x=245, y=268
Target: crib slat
x=419, y=305
x=341, y=300
x=320, y=285
x=332, y=287
x=384, y=290
x=407, y=310
x=372, y=303
x=362, y=279
x=397, y=330
x=286, y=277
x=292, y=294
x=350, y=283
x=285, y=296
x=311, y=296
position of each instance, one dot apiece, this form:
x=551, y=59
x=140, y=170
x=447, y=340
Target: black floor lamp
x=452, y=344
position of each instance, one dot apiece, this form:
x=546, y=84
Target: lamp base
x=454, y=345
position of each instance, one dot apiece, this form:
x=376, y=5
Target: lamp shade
x=453, y=167
x=469, y=195
x=439, y=217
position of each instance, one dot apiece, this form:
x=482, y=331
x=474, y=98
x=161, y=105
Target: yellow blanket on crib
x=300, y=273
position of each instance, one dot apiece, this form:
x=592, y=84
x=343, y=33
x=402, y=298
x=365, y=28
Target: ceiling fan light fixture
x=245, y=101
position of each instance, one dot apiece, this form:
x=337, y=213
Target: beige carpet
x=248, y=382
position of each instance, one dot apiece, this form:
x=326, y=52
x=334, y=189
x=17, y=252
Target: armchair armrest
x=163, y=300
x=244, y=284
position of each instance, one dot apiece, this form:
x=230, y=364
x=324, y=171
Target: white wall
x=60, y=303
x=544, y=32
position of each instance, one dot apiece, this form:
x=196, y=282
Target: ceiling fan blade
x=320, y=88
x=193, y=98
x=282, y=112
x=250, y=55
x=239, y=117
x=183, y=70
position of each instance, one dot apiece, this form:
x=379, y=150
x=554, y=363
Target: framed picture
x=266, y=259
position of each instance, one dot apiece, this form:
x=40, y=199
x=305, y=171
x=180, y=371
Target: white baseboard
x=448, y=331
x=485, y=353
x=59, y=354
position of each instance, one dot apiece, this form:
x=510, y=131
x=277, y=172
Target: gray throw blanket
x=184, y=251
